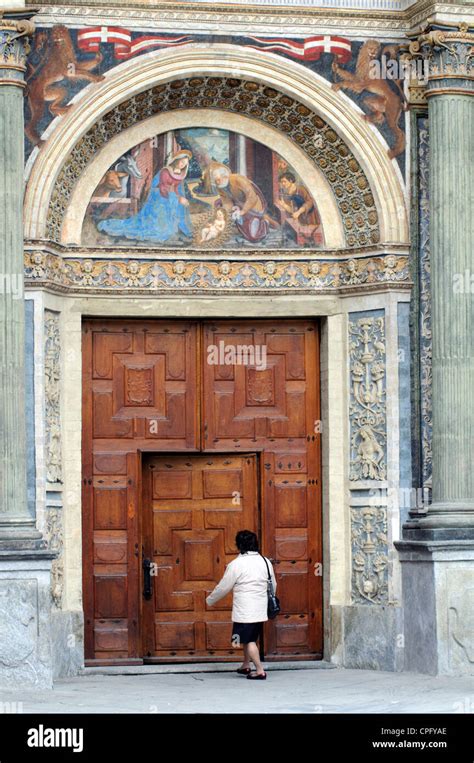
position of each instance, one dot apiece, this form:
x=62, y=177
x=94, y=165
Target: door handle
x=147, y=587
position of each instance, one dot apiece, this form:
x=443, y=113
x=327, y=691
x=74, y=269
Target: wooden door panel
x=275, y=406
x=140, y=393
x=192, y=509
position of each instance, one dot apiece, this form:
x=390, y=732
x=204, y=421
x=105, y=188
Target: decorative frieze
x=52, y=370
x=367, y=407
x=148, y=276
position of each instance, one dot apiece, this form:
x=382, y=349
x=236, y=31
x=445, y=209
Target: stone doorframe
x=335, y=393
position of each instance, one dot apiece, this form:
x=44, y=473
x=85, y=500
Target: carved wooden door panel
x=274, y=406
x=192, y=508
x=140, y=393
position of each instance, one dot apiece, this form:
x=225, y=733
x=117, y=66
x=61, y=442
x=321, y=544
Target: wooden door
x=193, y=506
x=139, y=393
x=150, y=387
x=275, y=407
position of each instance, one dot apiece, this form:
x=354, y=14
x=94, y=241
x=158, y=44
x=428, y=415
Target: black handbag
x=273, y=608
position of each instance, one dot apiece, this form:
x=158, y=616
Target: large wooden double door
x=188, y=438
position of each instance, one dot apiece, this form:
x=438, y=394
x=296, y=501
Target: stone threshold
x=200, y=667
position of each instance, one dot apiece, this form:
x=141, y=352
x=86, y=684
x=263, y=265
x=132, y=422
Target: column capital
x=449, y=53
x=15, y=33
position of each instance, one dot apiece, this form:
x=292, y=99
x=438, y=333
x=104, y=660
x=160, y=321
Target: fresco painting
x=65, y=60
x=206, y=188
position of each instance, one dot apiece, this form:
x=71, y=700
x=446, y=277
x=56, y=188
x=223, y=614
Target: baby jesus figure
x=215, y=227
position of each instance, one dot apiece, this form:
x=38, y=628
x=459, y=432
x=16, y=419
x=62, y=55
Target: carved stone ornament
x=54, y=538
x=369, y=555
x=367, y=409
x=14, y=49
x=52, y=397
x=450, y=56
x=148, y=276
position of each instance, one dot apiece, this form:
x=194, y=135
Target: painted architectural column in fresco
x=450, y=93
x=15, y=521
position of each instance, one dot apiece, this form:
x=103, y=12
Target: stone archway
x=58, y=166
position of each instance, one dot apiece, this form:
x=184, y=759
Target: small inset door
x=193, y=506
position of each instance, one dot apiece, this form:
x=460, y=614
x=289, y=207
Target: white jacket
x=247, y=576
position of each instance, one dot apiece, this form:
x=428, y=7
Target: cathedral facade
x=236, y=245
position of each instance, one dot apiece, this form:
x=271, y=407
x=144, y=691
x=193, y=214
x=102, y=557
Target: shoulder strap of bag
x=266, y=563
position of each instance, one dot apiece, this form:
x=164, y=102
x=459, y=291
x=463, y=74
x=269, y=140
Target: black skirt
x=244, y=633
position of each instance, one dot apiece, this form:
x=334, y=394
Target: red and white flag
x=89, y=40
x=309, y=49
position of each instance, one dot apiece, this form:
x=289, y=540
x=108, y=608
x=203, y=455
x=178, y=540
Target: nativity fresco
x=202, y=188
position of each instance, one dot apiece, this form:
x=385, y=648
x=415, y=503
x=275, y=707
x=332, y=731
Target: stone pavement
x=217, y=689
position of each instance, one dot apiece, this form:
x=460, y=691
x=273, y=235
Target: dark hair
x=245, y=540
x=289, y=176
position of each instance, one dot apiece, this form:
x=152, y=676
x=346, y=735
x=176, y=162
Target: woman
x=247, y=577
x=165, y=214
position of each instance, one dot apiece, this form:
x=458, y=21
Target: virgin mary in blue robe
x=165, y=214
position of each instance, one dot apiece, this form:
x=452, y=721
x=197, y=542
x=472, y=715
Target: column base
x=444, y=521
x=438, y=602
x=25, y=618
x=16, y=532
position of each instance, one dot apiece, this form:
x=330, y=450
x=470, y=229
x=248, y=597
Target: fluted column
x=450, y=94
x=16, y=524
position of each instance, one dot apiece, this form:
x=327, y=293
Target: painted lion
x=385, y=104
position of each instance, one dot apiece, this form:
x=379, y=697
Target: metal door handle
x=147, y=588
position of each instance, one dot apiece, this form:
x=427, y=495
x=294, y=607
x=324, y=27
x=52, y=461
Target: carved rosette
x=14, y=48
x=52, y=360
x=450, y=57
x=367, y=407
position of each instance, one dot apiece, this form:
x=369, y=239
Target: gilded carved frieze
x=307, y=129
x=52, y=361
x=367, y=407
x=178, y=276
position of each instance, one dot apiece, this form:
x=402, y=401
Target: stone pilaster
x=16, y=523
x=450, y=95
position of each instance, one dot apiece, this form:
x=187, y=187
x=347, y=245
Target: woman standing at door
x=246, y=576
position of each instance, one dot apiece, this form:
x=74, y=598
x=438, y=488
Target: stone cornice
x=240, y=18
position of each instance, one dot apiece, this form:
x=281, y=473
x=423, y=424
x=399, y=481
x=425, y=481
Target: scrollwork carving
x=367, y=399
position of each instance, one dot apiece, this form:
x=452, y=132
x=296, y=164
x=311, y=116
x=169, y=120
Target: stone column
x=450, y=94
x=15, y=521
x=437, y=552
x=25, y=565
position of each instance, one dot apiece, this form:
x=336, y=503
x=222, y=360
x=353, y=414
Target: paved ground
x=290, y=690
